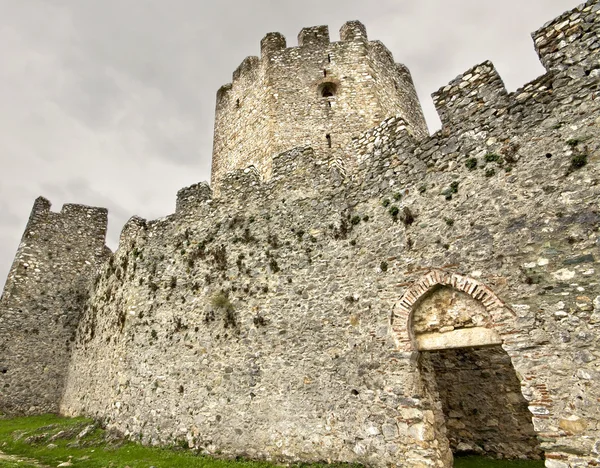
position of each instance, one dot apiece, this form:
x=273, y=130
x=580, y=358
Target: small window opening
x=328, y=138
x=324, y=72
x=548, y=155
x=329, y=58
x=4, y=370
x=328, y=103
x=237, y=103
x=327, y=89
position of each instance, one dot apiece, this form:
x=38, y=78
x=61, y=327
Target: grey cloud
x=8, y=218
x=111, y=103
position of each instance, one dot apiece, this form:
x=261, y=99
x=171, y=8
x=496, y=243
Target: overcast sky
x=111, y=102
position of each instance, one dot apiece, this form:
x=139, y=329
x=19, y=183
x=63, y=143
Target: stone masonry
x=319, y=93
x=42, y=302
x=412, y=297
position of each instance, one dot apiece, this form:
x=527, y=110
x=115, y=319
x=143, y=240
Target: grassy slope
x=53, y=440
x=30, y=437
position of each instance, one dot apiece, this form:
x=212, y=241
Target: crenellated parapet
x=341, y=88
x=315, y=36
x=479, y=90
x=353, y=31
x=239, y=184
x=191, y=197
x=387, y=138
x=571, y=40
x=132, y=229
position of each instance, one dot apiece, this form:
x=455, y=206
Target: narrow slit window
x=329, y=58
x=324, y=72
x=328, y=138
x=237, y=103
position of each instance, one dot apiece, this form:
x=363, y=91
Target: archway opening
x=469, y=380
x=477, y=398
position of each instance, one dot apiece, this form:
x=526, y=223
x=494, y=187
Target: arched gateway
x=458, y=326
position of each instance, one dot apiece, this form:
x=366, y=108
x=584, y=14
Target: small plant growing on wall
x=451, y=190
x=219, y=255
x=342, y=231
x=273, y=241
x=578, y=161
x=394, y=211
x=407, y=216
x=471, y=164
x=220, y=301
x=492, y=157
x=273, y=265
x=259, y=321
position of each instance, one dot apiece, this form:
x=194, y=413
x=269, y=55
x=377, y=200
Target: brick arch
x=498, y=311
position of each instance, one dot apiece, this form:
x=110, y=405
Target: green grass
x=481, y=462
x=29, y=437
x=51, y=440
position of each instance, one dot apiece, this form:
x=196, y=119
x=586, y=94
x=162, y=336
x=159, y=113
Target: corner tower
x=318, y=94
x=43, y=298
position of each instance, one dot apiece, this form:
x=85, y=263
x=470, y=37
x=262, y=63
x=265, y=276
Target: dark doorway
x=479, y=404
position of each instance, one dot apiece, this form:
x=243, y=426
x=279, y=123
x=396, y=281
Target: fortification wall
x=42, y=301
x=277, y=102
x=274, y=321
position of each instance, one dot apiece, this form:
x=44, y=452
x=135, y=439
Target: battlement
x=247, y=70
x=353, y=31
x=271, y=43
x=314, y=36
x=571, y=39
x=73, y=219
x=192, y=196
x=340, y=89
x=478, y=90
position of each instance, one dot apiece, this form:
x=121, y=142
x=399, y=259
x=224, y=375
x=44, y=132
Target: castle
x=349, y=288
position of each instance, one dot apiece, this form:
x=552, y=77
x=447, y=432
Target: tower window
x=328, y=138
x=327, y=89
x=237, y=103
x=329, y=58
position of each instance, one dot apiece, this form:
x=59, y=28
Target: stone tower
x=318, y=94
x=42, y=300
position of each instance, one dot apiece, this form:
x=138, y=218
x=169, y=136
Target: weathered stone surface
x=319, y=93
x=278, y=319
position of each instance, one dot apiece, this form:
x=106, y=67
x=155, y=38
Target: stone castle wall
x=275, y=320
x=275, y=102
x=42, y=302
